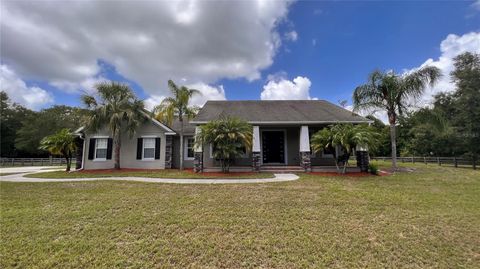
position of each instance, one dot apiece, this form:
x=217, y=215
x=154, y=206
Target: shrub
x=373, y=169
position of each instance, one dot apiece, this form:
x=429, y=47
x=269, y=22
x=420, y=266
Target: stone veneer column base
x=256, y=161
x=305, y=161
x=198, y=162
x=168, y=151
x=362, y=160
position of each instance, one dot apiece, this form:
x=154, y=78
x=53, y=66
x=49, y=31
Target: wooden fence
x=7, y=162
x=447, y=161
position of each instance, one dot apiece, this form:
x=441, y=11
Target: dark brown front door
x=273, y=147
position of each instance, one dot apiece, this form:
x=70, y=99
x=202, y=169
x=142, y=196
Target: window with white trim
x=101, y=147
x=188, y=151
x=148, y=149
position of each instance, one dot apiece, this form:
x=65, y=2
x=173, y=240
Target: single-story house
x=281, y=138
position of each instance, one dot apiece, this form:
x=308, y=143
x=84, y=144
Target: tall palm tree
x=177, y=107
x=117, y=108
x=392, y=93
x=61, y=143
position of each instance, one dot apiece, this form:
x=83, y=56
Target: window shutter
x=139, y=148
x=109, y=148
x=157, y=148
x=91, y=149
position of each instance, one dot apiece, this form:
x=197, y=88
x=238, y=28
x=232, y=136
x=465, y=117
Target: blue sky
x=330, y=46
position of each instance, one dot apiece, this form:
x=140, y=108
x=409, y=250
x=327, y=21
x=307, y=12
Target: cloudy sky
x=53, y=51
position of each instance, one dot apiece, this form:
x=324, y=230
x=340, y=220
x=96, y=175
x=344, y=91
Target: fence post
x=41, y=161
x=51, y=159
x=13, y=161
x=31, y=160
x=413, y=160
x=438, y=161
x=474, y=164
x=455, y=162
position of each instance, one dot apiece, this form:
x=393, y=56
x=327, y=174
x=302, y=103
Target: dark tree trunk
x=117, y=143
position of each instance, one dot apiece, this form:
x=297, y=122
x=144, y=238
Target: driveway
x=21, y=171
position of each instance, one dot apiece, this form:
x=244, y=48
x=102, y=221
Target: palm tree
x=177, y=107
x=346, y=137
x=61, y=143
x=118, y=109
x=230, y=137
x=392, y=92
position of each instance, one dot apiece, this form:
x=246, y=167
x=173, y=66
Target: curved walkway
x=19, y=177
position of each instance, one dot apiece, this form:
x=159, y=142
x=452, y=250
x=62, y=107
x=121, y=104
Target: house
x=281, y=138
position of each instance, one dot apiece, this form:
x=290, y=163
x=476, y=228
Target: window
x=101, y=145
x=148, y=149
x=188, y=152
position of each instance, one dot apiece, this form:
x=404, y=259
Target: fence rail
x=4, y=162
x=448, y=161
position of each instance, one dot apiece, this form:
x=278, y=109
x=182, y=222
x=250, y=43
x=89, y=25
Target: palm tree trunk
x=117, y=145
x=393, y=141
x=68, y=163
x=181, y=144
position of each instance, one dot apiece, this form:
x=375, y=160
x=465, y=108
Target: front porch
x=275, y=149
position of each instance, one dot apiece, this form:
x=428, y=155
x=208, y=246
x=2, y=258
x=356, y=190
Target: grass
x=7, y=174
x=425, y=219
x=168, y=173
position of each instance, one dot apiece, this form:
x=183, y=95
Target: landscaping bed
x=160, y=173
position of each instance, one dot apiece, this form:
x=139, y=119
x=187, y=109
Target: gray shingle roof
x=187, y=127
x=291, y=111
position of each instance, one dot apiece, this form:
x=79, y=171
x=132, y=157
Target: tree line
x=449, y=126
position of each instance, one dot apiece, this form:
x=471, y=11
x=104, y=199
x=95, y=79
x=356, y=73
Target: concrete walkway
x=21, y=171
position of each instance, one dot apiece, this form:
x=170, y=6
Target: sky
x=52, y=52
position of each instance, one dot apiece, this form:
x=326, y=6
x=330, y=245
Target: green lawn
x=428, y=218
x=169, y=173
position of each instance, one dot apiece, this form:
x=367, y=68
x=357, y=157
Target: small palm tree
x=118, y=109
x=229, y=138
x=346, y=137
x=61, y=143
x=177, y=107
x=392, y=92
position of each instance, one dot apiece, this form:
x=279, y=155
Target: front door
x=273, y=147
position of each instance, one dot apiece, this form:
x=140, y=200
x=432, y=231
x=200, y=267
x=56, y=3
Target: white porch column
x=198, y=153
x=305, y=157
x=256, y=149
x=304, y=139
x=256, y=139
x=197, y=148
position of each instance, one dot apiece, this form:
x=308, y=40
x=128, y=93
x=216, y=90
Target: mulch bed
x=123, y=170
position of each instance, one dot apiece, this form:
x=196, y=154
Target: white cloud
x=284, y=89
x=314, y=42
x=291, y=36
x=148, y=42
x=476, y=5
x=450, y=47
x=207, y=92
x=153, y=101
x=87, y=85
x=19, y=92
